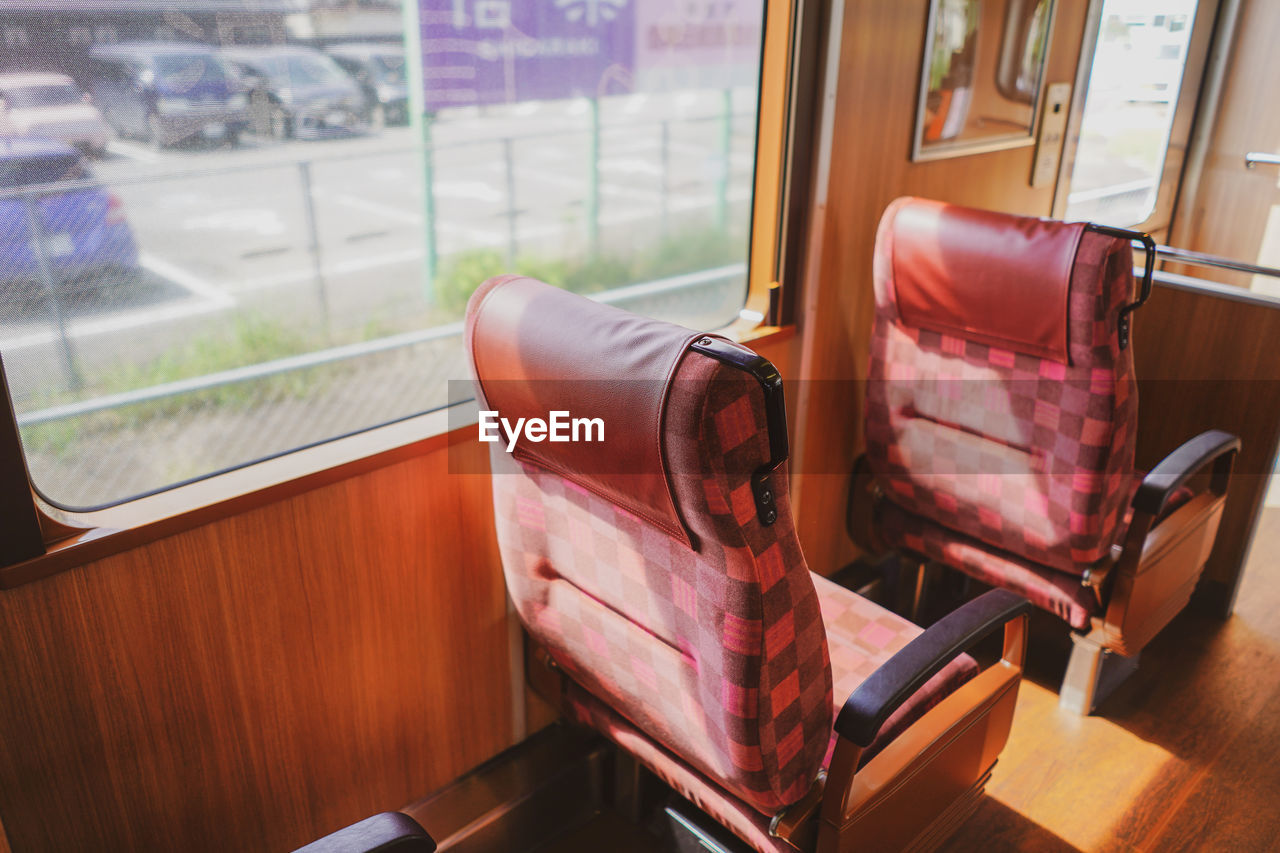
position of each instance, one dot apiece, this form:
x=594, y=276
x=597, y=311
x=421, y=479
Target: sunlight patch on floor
x=1114, y=766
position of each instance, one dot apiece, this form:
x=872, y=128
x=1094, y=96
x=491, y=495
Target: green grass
x=685, y=252
x=251, y=339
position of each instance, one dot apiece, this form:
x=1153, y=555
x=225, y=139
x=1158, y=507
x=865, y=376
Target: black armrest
x=386, y=831
x=1182, y=464
x=867, y=708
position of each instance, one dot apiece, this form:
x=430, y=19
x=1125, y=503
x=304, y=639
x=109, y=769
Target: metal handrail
x=1201, y=259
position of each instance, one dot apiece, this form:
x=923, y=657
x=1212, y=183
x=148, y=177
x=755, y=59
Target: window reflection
x=984, y=67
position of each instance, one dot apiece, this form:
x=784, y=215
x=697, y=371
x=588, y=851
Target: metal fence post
x=593, y=179
x=726, y=148
x=39, y=246
x=666, y=176
x=313, y=235
x=508, y=154
x=431, y=250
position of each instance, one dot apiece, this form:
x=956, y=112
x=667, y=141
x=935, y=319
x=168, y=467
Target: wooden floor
x=1185, y=755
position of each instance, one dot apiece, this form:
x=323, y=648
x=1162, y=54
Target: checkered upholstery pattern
x=1029, y=456
x=1060, y=593
x=862, y=636
x=718, y=653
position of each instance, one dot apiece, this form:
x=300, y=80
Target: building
x=49, y=35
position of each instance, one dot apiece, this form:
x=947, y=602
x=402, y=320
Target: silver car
x=53, y=107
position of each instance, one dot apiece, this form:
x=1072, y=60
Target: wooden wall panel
x=1209, y=362
x=874, y=114
x=261, y=680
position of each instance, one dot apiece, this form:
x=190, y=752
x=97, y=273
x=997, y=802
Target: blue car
x=82, y=227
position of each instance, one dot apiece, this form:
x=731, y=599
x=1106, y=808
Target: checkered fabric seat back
x=711, y=641
x=999, y=401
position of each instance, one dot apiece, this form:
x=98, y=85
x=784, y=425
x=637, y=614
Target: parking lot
x=339, y=227
x=270, y=249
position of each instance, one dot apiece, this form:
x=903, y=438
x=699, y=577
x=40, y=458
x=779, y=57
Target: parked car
x=52, y=106
x=299, y=92
x=83, y=227
x=167, y=92
x=380, y=71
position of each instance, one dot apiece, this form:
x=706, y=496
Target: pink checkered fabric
x=862, y=636
x=1031, y=456
x=1058, y=592
x=717, y=653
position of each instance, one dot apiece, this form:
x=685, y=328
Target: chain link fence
x=164, y=327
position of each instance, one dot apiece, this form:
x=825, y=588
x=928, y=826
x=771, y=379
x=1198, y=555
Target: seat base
x=1093, y=674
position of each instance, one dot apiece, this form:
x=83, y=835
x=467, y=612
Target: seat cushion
x=861, y=636
x=1058, y=592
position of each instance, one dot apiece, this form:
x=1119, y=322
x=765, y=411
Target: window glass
x=1129, y=109
x=258, y=263
x=30, y=97
x=179, y=71
x=388, y=68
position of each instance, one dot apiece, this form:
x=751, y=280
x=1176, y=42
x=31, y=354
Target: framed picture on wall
x=981, y=77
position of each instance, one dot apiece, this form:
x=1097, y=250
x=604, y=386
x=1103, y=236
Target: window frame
x=33, y=544
x=1168, y=184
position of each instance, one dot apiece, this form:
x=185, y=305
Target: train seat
x=1001, y=419
x=668, y=605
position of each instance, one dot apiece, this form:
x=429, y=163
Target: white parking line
x=133, y=150
x=134, y=320
x=186, y=280
x=335, y=269
x=396, y=214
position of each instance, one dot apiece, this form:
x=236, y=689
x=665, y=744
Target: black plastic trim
x=1148, y=272
x=775, y=415
x=1182, y=464
x=867, y=708
x=382, y=832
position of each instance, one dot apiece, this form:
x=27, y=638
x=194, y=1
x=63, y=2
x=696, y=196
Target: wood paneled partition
x=872, y=113
x=258, y=681
x=1207, y=360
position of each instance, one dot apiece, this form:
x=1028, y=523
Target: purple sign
x=698, y=33
x=505, y=51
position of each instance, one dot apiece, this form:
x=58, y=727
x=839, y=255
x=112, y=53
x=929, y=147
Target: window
x=211, y=290
x=45, y=95
x=1129, y=110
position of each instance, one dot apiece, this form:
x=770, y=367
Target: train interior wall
x=266, y=676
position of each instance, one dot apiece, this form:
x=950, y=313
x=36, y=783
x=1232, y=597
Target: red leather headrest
x=535, y=349
x=988, y=277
